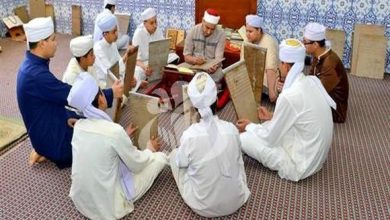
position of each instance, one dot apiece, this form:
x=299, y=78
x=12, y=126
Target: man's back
x=214, y=170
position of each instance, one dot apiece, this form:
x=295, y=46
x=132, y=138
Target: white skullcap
x=253, y=20
x=38, y=29
x=292, y=51
x=314, y=31
x=107, y=22
x=82, y=94
x=148, y=14
x=111, y=2
x=202, y=92
x=211, y=16
x=80, y=46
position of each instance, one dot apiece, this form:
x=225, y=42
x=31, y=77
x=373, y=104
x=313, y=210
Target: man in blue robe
x=42, y=97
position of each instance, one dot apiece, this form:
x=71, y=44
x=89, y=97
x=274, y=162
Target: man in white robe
x=108, y=172
x=109, y=8
x=145, y=33
x=296, y=138
x=106, y=51
x=208, y=166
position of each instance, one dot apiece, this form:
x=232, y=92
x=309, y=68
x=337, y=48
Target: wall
x=282, y=18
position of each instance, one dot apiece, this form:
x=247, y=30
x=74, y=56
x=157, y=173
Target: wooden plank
x=254, y=57
x=371, y=59
x=37, y=8
x=158, y=57
x=115, y=111
x=238, y=82
x=337, y=40
x=76, y=20
x=190, y=114
x=144, y=110
x=22, y=13
x=129, y=71
x=175, y=36
x=115, y=69
x=123, y=22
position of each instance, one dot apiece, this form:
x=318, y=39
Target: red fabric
x=212, y=12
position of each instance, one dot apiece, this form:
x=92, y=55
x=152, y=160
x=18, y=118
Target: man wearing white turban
x=208, y=166
x=105, y=50
x=42, y=97
x=257, y=36
x=108, y=172
x=328, y=67
x=204, y=42
x=296, y=138
x=145, y=33
x=123, y=38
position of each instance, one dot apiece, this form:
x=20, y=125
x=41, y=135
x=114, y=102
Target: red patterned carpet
x=353, y=184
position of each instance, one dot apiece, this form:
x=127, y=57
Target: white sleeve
x=182, y=155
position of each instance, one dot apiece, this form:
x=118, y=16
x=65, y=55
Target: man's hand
x=72, y=122
x=154, y=144
x=148, y=71
x=242, y=123
x=198, y=60
x=279, y=86
x=117, y=89
x=264, y=114
x=144, y=84
x=213, y=69
x=131, y=129
x=130, y=49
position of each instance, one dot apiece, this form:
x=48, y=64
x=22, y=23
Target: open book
x=184, y=70
x=204, y=67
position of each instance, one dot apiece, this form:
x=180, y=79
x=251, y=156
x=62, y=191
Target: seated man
x=145, y=33
x=106, y=51
x=296, y=138
x=208, y=166
x=328, y=67
x=123, y=38
x=42, y=97
x=108, y=172
x=205, y=42
x=257, y=36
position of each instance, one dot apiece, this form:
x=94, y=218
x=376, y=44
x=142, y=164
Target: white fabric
x=205, y=188
x=296, y=141
x=148, y=14
x=314, y=31
x=74, y=69
x=211, y=18
x=38, y=29
x=111, y=2
x=97, y=190
x=253, y=21
x=202, y=96
x=106, y=55
x=80, y=46
x=292, y=51
x=106, y=22
x=81, y=95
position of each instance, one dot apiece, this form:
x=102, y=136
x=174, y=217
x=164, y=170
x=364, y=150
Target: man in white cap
x=257, y=36
x=208, y=166
x=106, y=51
x=123, y=38
x=42, y=97
x=145, y=33
x=108, y=172
x=296, y=138
x=205, y=42
x=328, y=67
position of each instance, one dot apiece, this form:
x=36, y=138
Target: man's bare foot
x=35, y=158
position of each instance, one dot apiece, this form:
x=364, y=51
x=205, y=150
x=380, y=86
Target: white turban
x=148, y=14
x=253, y=20
x=314, y=31
x=211, y=16
x=111, y=2
x=80, y=46
x=107, y=22
x=82, y=94
x=38, y=29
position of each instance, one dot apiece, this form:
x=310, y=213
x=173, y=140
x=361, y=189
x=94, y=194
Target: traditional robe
x=97, y=188
x=211, y=178
x=330, y=70
x=296, y=141
x=106, y=56
x=73, y=70
x=42, y=100
x=211, y=47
